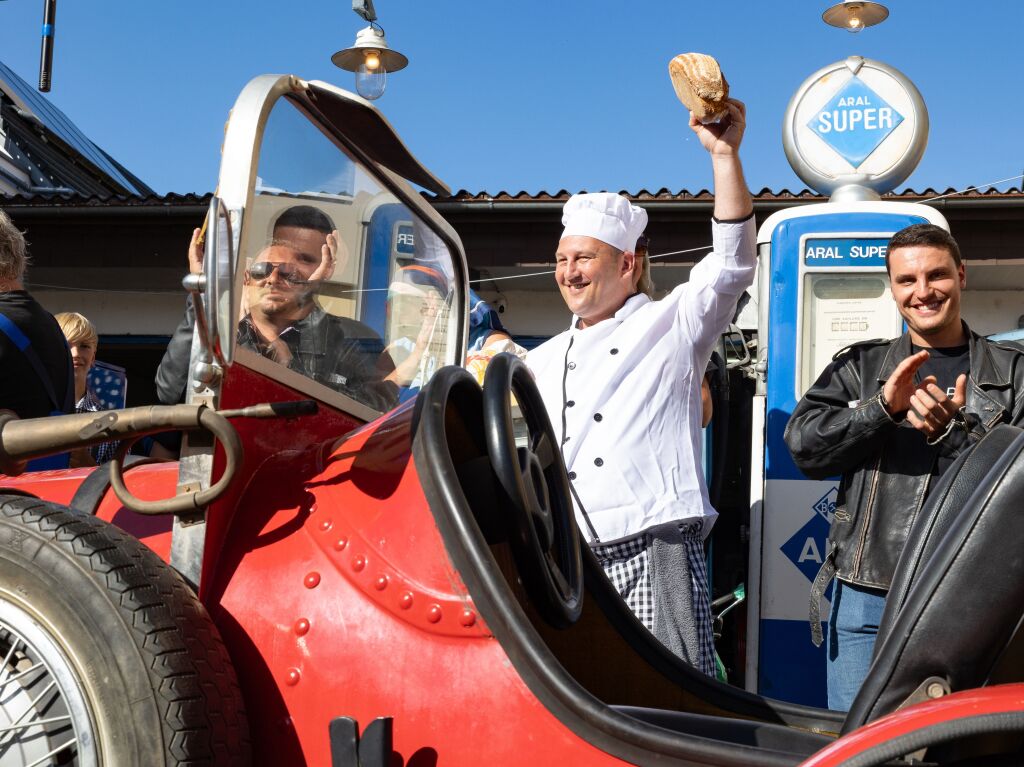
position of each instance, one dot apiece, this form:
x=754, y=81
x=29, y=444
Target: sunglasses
x=261, y=270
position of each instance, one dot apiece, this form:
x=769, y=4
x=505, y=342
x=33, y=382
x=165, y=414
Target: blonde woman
x=82, y=340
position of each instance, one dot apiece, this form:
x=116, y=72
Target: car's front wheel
x=106, y=655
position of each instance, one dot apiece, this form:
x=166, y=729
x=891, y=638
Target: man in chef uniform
x=623, y=389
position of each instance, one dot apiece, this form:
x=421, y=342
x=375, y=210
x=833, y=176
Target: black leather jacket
x=840, y=427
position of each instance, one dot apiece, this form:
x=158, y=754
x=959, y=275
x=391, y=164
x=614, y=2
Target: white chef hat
x=605, y=216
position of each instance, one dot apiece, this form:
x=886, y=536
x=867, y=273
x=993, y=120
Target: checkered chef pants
x=650, y=571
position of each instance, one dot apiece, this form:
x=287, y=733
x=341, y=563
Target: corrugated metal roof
x=37, y=107
x=765, y=195
x=73, y=200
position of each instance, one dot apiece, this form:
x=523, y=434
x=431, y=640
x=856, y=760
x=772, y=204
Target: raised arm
x=722, y=141
x=708, y=301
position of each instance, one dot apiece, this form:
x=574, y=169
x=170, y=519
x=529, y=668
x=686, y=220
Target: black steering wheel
x=541, y=524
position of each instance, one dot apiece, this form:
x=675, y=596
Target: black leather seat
x=958, y=596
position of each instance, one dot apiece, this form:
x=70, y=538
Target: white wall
x=141, y=314
x=992, y=311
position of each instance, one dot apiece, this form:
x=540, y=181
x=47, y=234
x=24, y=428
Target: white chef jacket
x=629, y=417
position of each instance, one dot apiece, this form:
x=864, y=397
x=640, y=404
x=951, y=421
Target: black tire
x=125, y=633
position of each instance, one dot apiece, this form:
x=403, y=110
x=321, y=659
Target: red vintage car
x=363, y=557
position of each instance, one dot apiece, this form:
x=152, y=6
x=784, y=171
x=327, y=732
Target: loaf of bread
x=700, y=85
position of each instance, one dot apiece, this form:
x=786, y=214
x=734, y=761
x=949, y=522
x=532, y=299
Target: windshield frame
x=243, y=146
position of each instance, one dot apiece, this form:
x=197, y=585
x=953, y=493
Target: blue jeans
x=852, y=629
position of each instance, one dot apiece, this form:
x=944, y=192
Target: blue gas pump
x=854, y=130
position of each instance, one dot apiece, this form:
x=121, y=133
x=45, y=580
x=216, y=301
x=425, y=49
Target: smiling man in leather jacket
x=891, y=416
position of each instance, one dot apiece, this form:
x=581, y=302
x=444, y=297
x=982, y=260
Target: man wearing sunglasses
x=282, y=321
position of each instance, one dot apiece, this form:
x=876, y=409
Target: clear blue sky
x=523, y=95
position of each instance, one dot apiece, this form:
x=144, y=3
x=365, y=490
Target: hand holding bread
x=722, y=138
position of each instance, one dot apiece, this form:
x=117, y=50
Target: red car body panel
x=1001, y=699
x=148, y=482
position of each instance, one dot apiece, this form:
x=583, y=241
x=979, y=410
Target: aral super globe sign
x=855, y=122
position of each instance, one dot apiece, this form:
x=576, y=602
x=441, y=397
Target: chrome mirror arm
x=205, y=289
x=204, y=370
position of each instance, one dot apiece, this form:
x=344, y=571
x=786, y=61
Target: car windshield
x=342, y=283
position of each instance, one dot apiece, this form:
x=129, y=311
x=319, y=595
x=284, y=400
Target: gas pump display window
x=839, y=310
x=332, y=293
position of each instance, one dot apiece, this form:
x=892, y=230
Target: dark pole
x=46, y=51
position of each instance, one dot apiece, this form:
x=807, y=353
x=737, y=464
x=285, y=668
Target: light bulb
x=370, y=83
x=853, y=23
x=371, y=60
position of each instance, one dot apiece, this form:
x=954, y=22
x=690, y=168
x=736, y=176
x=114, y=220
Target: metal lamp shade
x=869, y=14
x=370, y=38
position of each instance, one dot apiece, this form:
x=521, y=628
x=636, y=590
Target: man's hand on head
x=723, y=138
x=195, y=252
x=329, y=253
x=931, y=409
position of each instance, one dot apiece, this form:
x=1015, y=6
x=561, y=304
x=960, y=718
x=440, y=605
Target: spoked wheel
x=106, y=656
x=543, y=533
x=44, y=718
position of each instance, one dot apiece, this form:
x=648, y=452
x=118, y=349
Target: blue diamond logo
x=825, y=506
x=806, y=549
x=855, y=121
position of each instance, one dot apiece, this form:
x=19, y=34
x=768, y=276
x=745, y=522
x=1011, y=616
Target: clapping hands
x=928, y=408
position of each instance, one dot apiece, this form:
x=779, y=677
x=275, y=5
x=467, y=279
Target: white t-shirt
x=631, y=401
